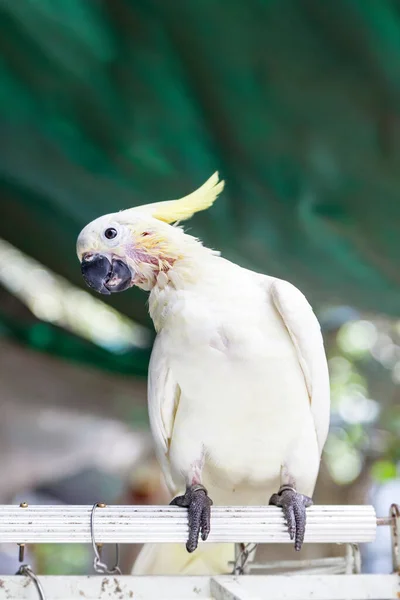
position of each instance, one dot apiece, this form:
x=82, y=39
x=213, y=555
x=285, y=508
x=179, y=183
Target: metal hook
x=21, y=551
x=395, y=525
x=353, y=559
x=27, y=572
x=243, y=553
x=98, y=565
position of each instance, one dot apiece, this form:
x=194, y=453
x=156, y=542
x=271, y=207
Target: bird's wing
x=163, y=400
x=305, y=332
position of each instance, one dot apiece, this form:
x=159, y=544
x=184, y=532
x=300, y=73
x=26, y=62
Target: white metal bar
x=139, y=524
x=331, y=561
x=314, y=566
x=245, y=587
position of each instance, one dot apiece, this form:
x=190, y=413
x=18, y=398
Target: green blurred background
x=109, y=104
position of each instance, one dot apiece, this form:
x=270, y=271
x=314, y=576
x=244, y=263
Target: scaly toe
x=198, y=504
x=294, y=507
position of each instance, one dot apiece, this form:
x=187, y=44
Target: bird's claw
x=294, y=507
x=198, y=504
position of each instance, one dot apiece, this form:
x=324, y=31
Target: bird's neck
x=185, y=274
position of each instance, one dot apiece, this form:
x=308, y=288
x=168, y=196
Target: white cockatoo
x=238, y=387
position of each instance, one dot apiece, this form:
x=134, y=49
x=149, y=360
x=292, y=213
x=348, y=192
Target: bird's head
x=133, y=246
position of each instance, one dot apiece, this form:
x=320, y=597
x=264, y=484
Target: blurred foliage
x=364, y=360
x=67, y=322
x=63, y=559
x=53, y=299
x=51, y=339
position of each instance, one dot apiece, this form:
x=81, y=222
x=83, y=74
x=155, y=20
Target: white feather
x=237, y=360
x=305, y=332
x=163, y=398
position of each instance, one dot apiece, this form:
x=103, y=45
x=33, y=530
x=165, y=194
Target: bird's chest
x=223, y=355
x=234, y=323
x=239, y=377
x=225, y=344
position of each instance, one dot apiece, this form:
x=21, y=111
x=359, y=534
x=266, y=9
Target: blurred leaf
x=383, y=470
x=63, y=559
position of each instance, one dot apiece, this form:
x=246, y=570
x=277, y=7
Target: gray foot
x=198, y=504
x=294, y=507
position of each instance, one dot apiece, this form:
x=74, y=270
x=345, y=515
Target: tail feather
x=173, y=559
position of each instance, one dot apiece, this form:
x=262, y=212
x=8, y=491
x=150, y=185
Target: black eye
x=110, y=233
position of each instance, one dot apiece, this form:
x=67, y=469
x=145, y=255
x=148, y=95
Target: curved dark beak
x=104, y=276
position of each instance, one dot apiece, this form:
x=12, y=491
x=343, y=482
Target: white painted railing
x=258, y=524
x=244, y=587
x=140, y=524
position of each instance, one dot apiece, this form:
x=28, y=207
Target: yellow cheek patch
x=154, y=244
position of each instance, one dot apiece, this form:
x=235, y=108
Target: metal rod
x=384, y=521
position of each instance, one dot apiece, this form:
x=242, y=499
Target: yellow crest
x=171, y=211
